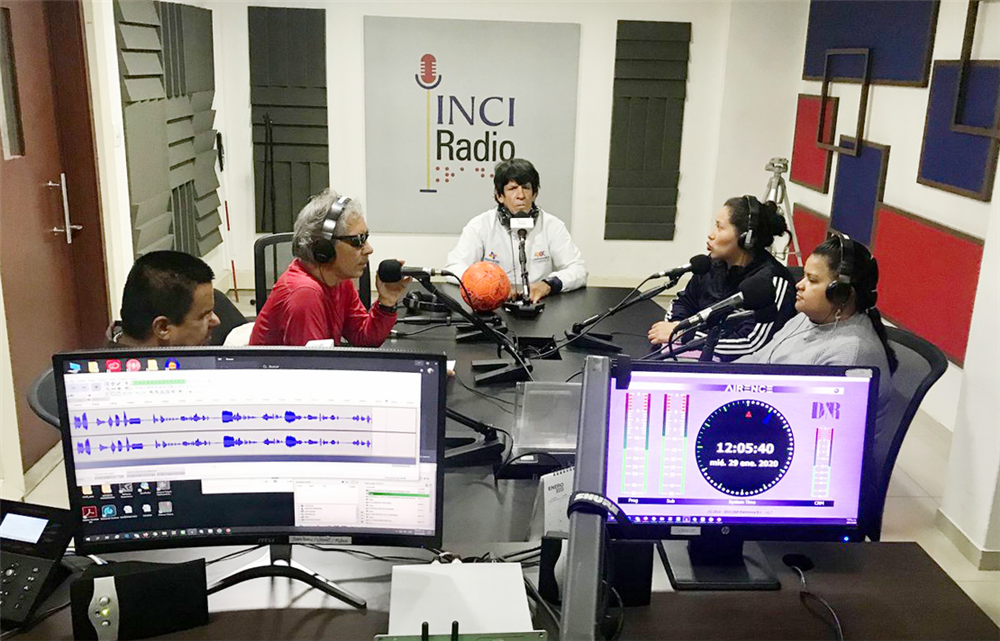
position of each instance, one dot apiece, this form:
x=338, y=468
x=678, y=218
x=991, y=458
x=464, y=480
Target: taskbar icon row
x=683, y=520
x=113, y=365
x=160, y=534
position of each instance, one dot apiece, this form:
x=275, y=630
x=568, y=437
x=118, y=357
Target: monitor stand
x=278, y=563
x=717, y=563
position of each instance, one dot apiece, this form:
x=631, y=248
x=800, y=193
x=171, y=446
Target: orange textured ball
x=487, y=284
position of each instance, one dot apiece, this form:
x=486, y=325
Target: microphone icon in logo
x=428, y=78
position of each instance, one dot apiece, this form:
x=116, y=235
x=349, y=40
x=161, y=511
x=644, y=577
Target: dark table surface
x=879, y=590
x=479, y=508
x=628, y=329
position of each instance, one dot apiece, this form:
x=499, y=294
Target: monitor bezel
x=431, y=541
x=747, y=531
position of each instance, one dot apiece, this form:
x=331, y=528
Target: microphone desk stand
x=523, y=307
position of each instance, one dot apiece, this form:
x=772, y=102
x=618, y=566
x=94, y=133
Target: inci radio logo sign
x=465, y=135
x=446, y=100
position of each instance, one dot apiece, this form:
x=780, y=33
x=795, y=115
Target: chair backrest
x=272, y=254
x=42, y=398
x=230, y=317
x=920, y=364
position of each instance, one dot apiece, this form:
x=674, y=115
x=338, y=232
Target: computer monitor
x=720, y=454
x=219, y=446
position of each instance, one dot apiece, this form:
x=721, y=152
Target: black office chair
x=42, y=398
x=920, y=364
x=230, y=318
x=272, y=254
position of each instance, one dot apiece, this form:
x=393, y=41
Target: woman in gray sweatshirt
x=837, y=323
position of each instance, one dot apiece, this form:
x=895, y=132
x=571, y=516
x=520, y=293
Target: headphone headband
x=332, y=216
x=746, y=239
x=324, y=249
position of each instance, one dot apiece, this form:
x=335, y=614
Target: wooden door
x=54, y=285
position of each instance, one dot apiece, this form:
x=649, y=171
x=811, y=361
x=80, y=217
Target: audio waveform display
x=290, y=441
x=117, y=446
x=82, y=422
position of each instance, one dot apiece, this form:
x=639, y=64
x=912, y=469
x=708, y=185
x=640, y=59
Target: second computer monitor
x=768, y=451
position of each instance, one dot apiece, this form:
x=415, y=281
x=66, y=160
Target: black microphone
x=763, y=315
x=755, y=293
x=699, y=264
x=392, y=271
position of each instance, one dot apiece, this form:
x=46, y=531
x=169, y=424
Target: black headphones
x=839, y=291
x=746, y=239
x=423, y=302
x=324, y=249
x=504, y=215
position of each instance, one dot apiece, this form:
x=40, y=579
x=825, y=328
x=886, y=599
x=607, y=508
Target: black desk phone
x=33, y=539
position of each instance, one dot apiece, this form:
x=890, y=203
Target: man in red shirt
x=315, y=297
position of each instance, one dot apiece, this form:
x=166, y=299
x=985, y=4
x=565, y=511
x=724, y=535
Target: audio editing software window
x=738, y=448
x=196, y=445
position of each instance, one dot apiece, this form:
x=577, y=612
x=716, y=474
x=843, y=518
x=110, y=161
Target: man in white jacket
x=554, y=261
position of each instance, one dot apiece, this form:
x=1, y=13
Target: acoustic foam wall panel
x=900, y=36
x=859, y=187
x=651, y=70
x=810, y=230
x=810, y=164
x=287, y=85
x=147, y=151
x=167, y=74
x=928, y=276
x=961, y=163
x=139, y=49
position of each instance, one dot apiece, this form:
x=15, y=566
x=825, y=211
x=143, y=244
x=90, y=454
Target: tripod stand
x=778, y=192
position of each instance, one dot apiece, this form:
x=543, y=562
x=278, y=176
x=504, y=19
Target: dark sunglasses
x=358, y=240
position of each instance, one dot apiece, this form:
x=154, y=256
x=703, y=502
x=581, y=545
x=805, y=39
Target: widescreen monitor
x=723, y=453
x=217, y=446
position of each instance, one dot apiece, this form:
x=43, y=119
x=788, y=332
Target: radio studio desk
x=879, y=590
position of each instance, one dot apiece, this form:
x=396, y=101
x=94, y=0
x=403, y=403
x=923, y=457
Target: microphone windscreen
x=390, y=271
x=700, y=264
x=758, y=293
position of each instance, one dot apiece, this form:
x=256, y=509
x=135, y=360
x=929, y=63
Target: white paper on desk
x=556, y=489
x=482, y=597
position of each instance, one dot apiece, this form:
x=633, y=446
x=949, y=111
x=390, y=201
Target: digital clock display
x=744, y=447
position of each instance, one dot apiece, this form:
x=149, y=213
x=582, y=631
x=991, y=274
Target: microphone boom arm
x=580, y=332
x=625, y=304
x=521, y=368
